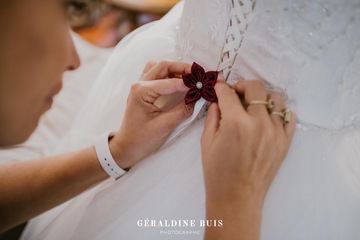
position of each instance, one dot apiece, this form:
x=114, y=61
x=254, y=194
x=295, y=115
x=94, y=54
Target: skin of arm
x=30, y=188
x=242, y=150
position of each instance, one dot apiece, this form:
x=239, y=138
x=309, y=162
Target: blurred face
x=35, y=50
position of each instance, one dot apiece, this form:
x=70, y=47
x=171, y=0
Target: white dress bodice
x=310, y=50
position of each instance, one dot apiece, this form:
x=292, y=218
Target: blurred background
x=105, y=22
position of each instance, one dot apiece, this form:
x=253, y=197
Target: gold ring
x=269, y=103
x=285, y=115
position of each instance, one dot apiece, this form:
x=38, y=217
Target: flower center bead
x=199, y=85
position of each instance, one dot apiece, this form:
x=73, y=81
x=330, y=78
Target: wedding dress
x=310, y=50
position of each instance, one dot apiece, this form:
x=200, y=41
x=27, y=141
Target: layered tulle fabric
x=308, y=50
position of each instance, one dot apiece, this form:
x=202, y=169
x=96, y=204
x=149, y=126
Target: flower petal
x=192, y=95
x=209, y=94
x=211, y=78
x=208, y=81
x=189, y=80
x=198, y=72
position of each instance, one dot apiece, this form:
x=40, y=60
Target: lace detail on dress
x=240, y=17
x=195, y=42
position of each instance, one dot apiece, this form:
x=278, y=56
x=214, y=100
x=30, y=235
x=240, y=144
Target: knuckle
x=163, y=68
x=259, y=85
x=276, y=96
x=255, y=82
x=163, y=64
x=135, y=87
x=140, y=91
x=148, y=66
x=278, y=99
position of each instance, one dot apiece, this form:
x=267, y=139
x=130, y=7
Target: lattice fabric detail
x=240, y=17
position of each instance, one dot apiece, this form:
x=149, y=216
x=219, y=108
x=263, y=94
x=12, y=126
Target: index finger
x=164, y=69
x=152, y=90
x=253, y=90
x=228, y=100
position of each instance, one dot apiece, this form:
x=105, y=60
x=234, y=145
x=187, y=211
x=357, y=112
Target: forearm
x=241, y=218
x=30, y=188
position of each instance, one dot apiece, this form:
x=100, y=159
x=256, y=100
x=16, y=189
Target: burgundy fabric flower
x=201, y=84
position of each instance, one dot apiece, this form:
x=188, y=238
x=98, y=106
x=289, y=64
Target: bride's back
x=310, y=49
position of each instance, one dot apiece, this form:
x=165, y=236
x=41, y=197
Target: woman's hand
x=145, y=126
x=242, y=150
x=31, y=187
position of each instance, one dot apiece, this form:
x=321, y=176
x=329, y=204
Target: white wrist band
x=105, y=158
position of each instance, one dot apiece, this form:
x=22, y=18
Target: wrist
x=234, y=194
x=234, y=208
x=117, y=151
x=240, y=217
x=105, y=157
